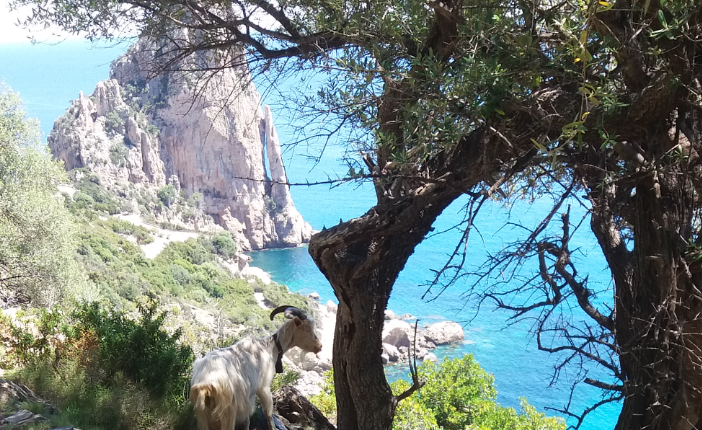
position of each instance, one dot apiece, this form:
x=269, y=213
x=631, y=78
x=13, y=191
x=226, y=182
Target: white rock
x=332, y=307
x=308, y=383
x=396, y=333
x=390, y=315
x=431, y=357
x=391, y=352
x=444, y=332
x=313, y=296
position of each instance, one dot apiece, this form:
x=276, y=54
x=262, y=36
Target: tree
x=485, y=98
x=37, y=246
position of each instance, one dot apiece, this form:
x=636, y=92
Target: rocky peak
x=201, y=134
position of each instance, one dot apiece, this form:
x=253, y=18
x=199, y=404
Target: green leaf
x=661, y=18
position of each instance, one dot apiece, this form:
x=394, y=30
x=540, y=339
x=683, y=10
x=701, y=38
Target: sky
x=11, y=33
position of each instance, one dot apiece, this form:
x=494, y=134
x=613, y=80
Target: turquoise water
x=48, y=77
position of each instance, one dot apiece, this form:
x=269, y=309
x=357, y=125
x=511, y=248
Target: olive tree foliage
x=592, y=102
x=37, y=246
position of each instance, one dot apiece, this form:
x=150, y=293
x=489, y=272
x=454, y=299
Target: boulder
x=22, y=417
x=309, y=383
x=392, y=353
x=444, y=332
x=298, y=411
x=397, y=333
x=431, y=357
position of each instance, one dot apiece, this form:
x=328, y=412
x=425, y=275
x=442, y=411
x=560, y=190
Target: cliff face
x=201, y=134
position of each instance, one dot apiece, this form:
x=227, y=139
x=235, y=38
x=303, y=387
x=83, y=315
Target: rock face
x=200, y=134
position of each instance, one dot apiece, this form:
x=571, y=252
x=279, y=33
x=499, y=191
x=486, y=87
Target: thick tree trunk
x=362, y=259
x=657, y=310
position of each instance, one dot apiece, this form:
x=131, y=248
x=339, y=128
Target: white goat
x=226, y=381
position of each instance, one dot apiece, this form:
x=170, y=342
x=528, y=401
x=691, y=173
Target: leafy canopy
x=37, y=231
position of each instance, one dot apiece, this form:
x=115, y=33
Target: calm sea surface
x=49, y=77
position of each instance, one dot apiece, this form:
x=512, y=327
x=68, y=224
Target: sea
x=49, y=76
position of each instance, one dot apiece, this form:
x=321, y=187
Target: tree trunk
x=657, y=310
x=362, y=259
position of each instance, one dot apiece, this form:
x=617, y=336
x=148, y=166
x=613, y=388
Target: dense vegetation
x=458, y=395
x=32, y=256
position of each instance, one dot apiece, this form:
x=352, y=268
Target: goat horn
x=290, y=311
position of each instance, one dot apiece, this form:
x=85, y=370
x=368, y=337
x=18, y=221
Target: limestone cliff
x=200, y=134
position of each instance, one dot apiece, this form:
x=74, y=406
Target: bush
x=195, y=199
x=102, y=201
x=224, y=244
x=326, y=400
x=113, y=123
x=286, y=378
x=141, y=350
x=104, y=370
x=118, y=154
x=412, y=414
x=36, y=230
x=119, y=226
x=455, y=388
x=167, y=194
x=458, y=394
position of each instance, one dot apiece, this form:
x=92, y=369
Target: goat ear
x=298, y=321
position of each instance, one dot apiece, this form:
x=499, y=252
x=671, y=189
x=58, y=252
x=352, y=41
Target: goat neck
x=283, y=340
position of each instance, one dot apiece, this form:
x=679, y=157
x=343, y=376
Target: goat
x=225, y=381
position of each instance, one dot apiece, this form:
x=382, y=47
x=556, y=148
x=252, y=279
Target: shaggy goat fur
x=226, y=381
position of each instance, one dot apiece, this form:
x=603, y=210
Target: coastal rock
x=397, y=333
x=332, y=307
x=444, y=332
x=431, y=357
x=391, y=352
x=207, y=136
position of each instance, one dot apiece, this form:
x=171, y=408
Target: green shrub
x=119, y=226
x=141, y=350
x=83, y=198
x=411, y=413
x=167, y=194
x=325, y=401
x=224, y=244
x=102, y=200
x=281, y=380
x=113, y=123
x=118, y=154
x=454, y=389
x=84, y=363
x=195, y=199
x=458, y=394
